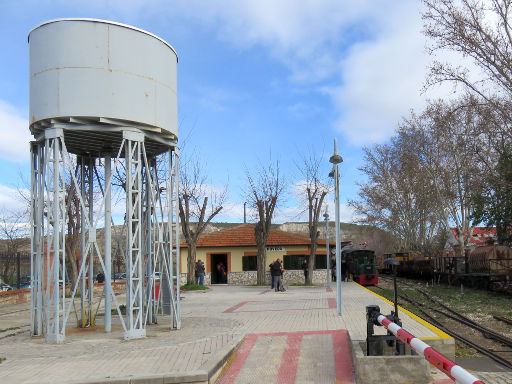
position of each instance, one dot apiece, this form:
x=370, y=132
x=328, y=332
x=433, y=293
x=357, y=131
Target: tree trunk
x=191, y=262
x=261, y=262
x=311, y=262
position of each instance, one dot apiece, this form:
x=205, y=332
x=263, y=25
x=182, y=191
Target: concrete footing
x=389, y=369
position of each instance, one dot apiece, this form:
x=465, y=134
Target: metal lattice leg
x=54, y=285
x=36, y=214
x=134, y=268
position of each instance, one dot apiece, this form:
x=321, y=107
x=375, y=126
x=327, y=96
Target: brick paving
x=295, y=334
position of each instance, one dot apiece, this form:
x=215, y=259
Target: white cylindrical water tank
x=86, y=68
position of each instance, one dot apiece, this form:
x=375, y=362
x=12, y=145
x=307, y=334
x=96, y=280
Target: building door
x=219, y=265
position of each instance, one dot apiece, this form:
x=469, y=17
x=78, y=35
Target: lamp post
x=328, y=264
x=336, y=159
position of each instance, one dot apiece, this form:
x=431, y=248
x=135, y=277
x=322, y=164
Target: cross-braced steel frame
x=151, y=230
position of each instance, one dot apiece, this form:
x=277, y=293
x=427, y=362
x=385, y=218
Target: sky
x=257, y=79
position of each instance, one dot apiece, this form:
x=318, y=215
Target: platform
x=292, y=336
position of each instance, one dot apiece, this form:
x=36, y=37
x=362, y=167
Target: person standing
x=199, y=272
x=344, y=270
x=271, y=276
x=306, y=270
x=100, y=277
x=223, y=274
x=276, y=271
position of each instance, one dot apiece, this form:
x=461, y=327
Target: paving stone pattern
x=211, y=322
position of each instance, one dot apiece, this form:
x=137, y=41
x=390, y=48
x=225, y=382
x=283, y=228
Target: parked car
x=5, y=287
x=119, y=277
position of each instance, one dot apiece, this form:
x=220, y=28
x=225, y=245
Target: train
x=360, y=264
x=488, y=267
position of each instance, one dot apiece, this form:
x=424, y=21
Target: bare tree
x=398, y=195
x=14, y=231
x=194, y=204
x=314, y=189
x=74, y=228
x=446, y=146
x=479, y=30
x=265, y=190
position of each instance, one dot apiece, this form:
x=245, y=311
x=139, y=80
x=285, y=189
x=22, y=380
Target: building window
x=294, y=262
x=249, y=263
x=320, y=261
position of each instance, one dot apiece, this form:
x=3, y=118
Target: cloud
x=10, y=199
x=14, y=134
x=367, y=57
x=305, y=37
x=382, y=79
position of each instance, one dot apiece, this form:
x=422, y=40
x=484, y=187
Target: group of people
x=276, y=272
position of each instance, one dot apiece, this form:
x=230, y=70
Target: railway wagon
x=361, y=265
x=489, y=265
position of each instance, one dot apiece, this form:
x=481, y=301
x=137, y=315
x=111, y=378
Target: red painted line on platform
x=330, y=301
x=267, y=291
x=290, y=359
x=328, y=289
x=294, y=333
x=232, y=309
x=342, y=361
x=282, y=310
x=288, y=368
x=237, y=364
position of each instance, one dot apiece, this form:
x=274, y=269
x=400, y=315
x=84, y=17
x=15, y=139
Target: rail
x=454, y=371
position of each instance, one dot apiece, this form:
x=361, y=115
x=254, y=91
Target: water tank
x=101, y=74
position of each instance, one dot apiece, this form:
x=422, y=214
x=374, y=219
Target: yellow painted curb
x=437, y=331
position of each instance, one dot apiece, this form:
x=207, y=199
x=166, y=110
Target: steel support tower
x=71, y=190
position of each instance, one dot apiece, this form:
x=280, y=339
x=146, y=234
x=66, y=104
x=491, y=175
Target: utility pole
x=335, y=160
x=327, y=255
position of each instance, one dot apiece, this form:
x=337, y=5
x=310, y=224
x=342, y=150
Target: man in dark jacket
x=276, y=271
x=306, y=270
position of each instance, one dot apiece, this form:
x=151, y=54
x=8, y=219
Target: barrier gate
x=455, y=372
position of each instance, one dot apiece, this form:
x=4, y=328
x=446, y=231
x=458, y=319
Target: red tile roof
x=481, y=235
x=243, y=235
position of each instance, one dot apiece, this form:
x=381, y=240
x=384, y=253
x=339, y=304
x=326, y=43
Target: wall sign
x=275, y=249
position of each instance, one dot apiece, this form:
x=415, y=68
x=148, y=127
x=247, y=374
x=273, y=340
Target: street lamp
x=336, y=159
x=328, y=265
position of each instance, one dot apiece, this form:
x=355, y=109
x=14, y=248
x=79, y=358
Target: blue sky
x=254, y=78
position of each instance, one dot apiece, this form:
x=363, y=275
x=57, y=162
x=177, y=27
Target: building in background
x=235, y=248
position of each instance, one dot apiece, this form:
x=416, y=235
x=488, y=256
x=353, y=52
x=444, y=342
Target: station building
x=236, y=249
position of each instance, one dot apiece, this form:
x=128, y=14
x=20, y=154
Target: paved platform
x=289, y=337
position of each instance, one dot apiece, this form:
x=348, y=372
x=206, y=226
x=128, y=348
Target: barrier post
x=452, y=370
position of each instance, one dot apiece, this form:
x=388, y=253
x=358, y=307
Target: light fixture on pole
x=328, y=264
x=336, y=159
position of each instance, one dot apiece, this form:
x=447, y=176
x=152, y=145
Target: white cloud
x=14, y=134
x=305, y=36
x=367, y=56
x=10, y=199
x=382, y=79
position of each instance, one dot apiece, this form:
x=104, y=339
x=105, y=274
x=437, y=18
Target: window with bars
x=249, y=263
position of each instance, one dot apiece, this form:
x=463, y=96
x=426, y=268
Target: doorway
x=217, y=260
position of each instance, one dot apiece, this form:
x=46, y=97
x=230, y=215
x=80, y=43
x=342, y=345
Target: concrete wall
x=249, y=277
x=16, y=296
x=19, y=296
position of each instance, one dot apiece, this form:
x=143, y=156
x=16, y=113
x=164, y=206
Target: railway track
x=431, y=304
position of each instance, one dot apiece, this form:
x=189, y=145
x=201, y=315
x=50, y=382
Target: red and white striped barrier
x=455, y=372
